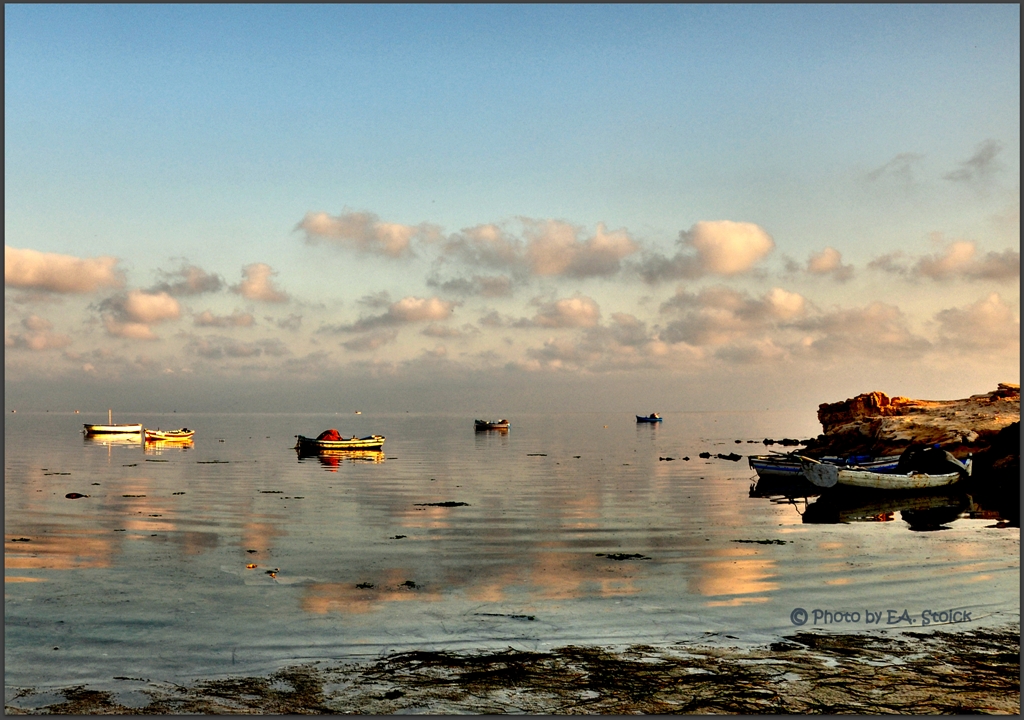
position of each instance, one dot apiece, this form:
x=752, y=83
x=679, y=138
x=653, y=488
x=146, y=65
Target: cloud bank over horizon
x=388, y=202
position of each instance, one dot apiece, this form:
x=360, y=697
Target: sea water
x=236, y=555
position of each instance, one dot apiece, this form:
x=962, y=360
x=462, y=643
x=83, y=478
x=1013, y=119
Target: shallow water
x=573, y=531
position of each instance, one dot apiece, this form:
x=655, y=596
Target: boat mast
x=110, y=417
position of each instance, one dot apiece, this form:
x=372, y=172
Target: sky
x=508, y=207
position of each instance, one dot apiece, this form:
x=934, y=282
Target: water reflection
x=333, y=459
x=921, y=511
x=159, y=447
x=132, y=439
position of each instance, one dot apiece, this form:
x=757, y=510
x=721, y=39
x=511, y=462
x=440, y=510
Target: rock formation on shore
x=874, y=423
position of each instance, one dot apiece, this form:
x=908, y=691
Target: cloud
x=485, y=246
x=293, y=322
x=407, y=310
x=878, y=329
x=235, y=319
x=958, y=261
x=371, y=341
x=719, y=315
x=979, y=166
x=34, y=270
x=364, y=232
x=128, y=330
x=719, y=247
x=482, y=285
x=900, y=168
x=547, y=248
x=37, y=336
x=257, y=284
x=829, y=262
x=555, y=248
x=130, y=316
x=188, y=280
x=578, y=311
x=987, y=324
x=215, y=347
x=444, y=331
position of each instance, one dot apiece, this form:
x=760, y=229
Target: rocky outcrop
x=877, y=424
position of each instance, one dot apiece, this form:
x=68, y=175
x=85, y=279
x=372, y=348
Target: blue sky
x=617, y=152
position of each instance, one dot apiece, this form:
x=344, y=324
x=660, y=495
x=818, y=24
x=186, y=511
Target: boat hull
x=126, y=429
x=169, y=435
x=789, y=466
x=492, y=424
x=826, y=476
x=371, y=442
x=643, y=419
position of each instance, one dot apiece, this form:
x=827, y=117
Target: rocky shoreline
x=985, y=426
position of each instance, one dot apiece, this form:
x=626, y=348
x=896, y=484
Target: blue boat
x=652, y=418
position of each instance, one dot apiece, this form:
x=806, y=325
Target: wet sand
x=805, y=673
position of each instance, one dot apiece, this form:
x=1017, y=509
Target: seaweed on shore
x=806, y=673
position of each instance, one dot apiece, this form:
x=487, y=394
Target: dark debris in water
x=622, y=556
x=922, y=674
x=446, y=503
x=765, y=542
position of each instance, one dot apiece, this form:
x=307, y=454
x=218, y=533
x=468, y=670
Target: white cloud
x=150, y=308
x=719, y=315
x=34, y=270
x=989, y=323
x=131, y=315
x=829, y=262
x=729, y=248
x=257, y=284
x=364, y=231
x=407, y=310
x=711, y=247
x=555, y=248
x=578, y=311
x=958, y=261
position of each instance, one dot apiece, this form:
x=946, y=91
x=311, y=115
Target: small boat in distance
x=789, y=465
x=492, y=424
x=111, y=429
x=652, y=418
x=180, y=435
x=332, y=440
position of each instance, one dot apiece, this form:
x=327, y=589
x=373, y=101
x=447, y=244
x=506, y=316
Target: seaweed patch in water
x=807, y=673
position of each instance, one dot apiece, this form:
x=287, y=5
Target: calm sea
x=569, y=529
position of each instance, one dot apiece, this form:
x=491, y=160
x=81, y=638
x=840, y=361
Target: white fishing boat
x=788, y=465
x=826, y=475
x=180, y=435
x=113, y=429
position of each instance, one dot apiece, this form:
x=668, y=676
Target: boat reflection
x=791, y=487
x=158, y=447
x=128, y=439
x=922, y=511
x=333, y=459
